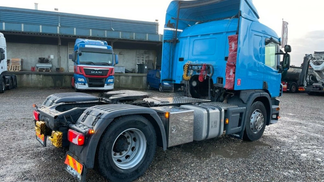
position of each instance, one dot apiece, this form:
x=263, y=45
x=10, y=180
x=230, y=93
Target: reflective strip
x=40, y=136
x=70, y=161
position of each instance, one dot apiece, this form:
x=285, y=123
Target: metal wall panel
x=98, y=33
x=66, y=31
x=111, y=34
x=12, y=27
x=49, y=29
x=27, y=17
x=38, y=17
x=84, y=32
x=140, y=36
x=31, y=28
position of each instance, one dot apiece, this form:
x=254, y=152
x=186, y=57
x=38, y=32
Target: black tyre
x=10, y=85
x=148, y=86
x=75, y=88
x=126, y=149
x=256, y=122
x=160, y=88
x=2, y=85
x=293, y=88
x=15, y=84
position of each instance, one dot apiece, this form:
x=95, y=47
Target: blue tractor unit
x=218, y=51
x=94, y=62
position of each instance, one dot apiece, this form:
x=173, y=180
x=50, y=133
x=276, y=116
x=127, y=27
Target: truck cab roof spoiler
x=182, y=14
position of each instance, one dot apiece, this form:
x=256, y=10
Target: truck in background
x=312, y=74
x=229, y=62
x=7, y=80
x=290, y=80
x=94, y=62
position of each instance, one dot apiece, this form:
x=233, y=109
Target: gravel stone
x=290, y=150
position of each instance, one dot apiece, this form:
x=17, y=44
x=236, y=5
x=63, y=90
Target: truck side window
x=271, y=59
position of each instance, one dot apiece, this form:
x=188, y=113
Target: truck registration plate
x=41, y=138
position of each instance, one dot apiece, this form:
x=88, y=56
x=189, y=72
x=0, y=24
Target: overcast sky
x=305, y=18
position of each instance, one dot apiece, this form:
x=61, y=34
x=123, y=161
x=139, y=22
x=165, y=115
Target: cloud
x=310, y=42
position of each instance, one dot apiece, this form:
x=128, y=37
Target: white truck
x=7, y=80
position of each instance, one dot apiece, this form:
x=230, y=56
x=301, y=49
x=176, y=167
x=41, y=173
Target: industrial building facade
x=34, y=34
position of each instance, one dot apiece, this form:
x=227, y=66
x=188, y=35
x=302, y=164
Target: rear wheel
x=256, y=123
x=2, y=85
x=293, y=88
x=126, y=149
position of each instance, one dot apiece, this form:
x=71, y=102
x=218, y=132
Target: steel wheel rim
x=128, y=148
x=256, y=121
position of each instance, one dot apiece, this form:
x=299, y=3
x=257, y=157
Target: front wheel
x=256, y=122
x=126, y=149
x=160, y=88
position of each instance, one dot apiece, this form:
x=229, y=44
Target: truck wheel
x=160, y=88
x=2, y=85
x=15, y=81
x=75, y=88
x=126, y=149
x=148, y=86
x=293, y=88
x=256, y=122
x=10, y=86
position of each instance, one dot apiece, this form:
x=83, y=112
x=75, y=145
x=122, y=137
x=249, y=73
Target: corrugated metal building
x=32, y=34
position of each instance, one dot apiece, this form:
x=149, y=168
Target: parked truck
x=7, y=80
x=290, y=80
x=312, y=74
x=94, y=62
x=231, y=64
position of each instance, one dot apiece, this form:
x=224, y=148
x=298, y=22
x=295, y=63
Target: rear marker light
x=36, y=115
x=91, y=131
x=167, y=115
x=76, y=137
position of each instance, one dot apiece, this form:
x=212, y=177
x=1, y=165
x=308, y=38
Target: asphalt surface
x=290, y=150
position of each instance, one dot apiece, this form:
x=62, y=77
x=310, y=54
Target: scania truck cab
x=94, y=62
x=220, y=46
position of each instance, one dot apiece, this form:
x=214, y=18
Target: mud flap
x=75, y=168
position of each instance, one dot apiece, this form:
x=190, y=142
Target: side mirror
x=72, y=56
x=287, y=48
x=286, y=62
x=2, y=55
x=116, y=59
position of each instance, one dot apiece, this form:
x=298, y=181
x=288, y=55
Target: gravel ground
x=291, y=150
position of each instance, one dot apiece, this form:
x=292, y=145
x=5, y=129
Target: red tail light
x=76, y=137
x=36, y=115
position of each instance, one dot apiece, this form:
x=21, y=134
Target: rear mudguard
x=99, y=118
